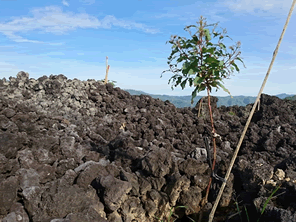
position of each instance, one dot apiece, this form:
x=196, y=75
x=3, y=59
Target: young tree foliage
x=205, y=63
x=205, y=59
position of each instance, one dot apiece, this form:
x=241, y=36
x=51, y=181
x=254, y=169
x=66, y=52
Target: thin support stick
x=107, y=70
x=200, y=106
x=211, y=216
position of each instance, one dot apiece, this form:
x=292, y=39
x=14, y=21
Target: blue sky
x=73, y=37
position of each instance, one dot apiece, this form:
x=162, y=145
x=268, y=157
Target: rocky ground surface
x=75, y=151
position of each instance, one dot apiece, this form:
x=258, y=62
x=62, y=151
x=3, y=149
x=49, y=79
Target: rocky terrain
x=75, y=151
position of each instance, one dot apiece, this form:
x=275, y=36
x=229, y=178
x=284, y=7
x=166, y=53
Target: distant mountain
x=185, y=101
x=284, y=95
x=291, y=97
x=136, y=92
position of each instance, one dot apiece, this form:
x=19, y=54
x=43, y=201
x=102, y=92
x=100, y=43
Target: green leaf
x=198, y=80
x=238, y=58
x=204, y=50
x=183, y=83
x=190, y=67
x=207, y=35
x=179, y=80
x=180, y=59
x=190, y=46
x=236, y=67
x=226, y=90
x=222, y=46
x=195, y=52
x=202, y=87
x=209, y=60
x=193, y=95
x=191, y=72
x=175, y=50
x=211, y=50
x=195, y=38
x=185, y=65
x=189, y=26
x=217, y=78
x=219, y=53
x=190, y=81
x=216, y=34
x=214, y=84
x=268, y=199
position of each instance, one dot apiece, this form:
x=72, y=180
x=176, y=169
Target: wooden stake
x=211, y=216
x=200, y=106
x=107, y=70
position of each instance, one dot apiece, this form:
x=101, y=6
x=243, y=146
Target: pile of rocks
x=74, y=150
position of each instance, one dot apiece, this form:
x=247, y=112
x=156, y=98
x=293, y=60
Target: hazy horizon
x=211, y=94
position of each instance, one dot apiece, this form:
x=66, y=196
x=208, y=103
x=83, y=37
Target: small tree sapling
x=204, y=65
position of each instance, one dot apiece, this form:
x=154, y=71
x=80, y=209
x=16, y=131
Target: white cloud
x=7, y=68
x=7, y=46
x=219, y=11
x=110, y=21
x=167, y=15
x=16, y=38
x=88, y=2
x=53, y=20
x=190, y=13
x=64, y=2
x=54, y=54
x=252, y=5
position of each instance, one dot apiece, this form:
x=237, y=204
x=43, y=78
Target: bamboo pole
x=107, y=70
x=211, y=216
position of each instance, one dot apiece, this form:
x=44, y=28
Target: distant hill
x=185, y=101
x=291, y=97
x=284, y=95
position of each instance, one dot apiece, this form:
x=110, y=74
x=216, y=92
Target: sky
x=73, y=38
